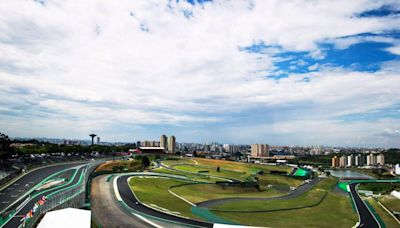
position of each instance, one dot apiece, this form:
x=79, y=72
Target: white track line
x=147, y=221
x=180, y=197
x=119, y=198
x=389, y=212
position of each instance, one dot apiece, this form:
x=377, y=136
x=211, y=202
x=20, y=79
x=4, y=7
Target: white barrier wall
x=395, y=194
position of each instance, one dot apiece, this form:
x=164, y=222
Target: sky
x=254, y=71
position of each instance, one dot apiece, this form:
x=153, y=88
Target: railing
x=72, y=196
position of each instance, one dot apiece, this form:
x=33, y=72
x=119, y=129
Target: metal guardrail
x=72, y=196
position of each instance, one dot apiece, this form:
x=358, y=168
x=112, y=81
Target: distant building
x=343, y=161
x=149, y=150
x=227, y=148
x=316, y=151
x=259, y=150
x=359, y=160
x=397, y=169
x=98, y=140
x=163, y=141
x=370, y=159
x=380, y=159
x=335, y=162
x=349, y=161
x=171, y=144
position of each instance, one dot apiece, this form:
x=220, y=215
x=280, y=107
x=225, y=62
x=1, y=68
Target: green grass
x=213, y=171
x=153, y=191
x=308, y=198
x=194, y=177
x=266, y=179
x=384, y=215
x=241, y=167
x=391, y=202
x=235, y=170
x=334, y=211
x=178, y=161
x=383, y=188
x=202, y=192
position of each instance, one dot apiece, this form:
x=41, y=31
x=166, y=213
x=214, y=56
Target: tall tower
x=163, y=142
x=92, y=135
x=171, y=144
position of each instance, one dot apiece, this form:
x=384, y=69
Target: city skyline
x=237, y=72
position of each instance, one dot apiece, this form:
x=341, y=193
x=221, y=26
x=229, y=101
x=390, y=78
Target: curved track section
x=15, y=221
x=106, y=208
x=130, y=199
x=299, y=191
x=15, y=191
x=365, y=216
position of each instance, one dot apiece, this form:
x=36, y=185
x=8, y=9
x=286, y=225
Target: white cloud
x=395, y=50
x=90, y=60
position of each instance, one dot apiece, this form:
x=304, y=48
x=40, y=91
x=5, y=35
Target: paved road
x=366, y=218
x=128, y=197
x=300, y=190
x=13, y=192
x=107, y=210
x=15, y=221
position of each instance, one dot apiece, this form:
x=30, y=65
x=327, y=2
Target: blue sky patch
x=364, y=57
x=383, y=11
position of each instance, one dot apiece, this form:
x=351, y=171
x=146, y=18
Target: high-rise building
x=171, y=144
x=335, y=162
x=357, y=160
x=227, y=148
x=371, y=159
x=259, y=150
x=163, y=141
x=98, y=140
x=350, y=160
x=380, y=159
x=343, y=161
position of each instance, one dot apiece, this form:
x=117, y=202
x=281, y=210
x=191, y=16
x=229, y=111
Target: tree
x=5, y=149
x=145, y=162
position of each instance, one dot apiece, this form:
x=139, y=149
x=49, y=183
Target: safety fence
x=71, y=196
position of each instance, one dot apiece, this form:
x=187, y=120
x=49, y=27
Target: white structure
x=395, y=194
x=349, y=160
x=66, y=218
x=380, y=159
x=227, y=148
x=397, y=169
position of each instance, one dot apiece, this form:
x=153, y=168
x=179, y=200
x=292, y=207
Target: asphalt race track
x=13, y=192
x=128, y=197
x=15, y=221
x=106, y=209
x=295, y=193
x=366, y=218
